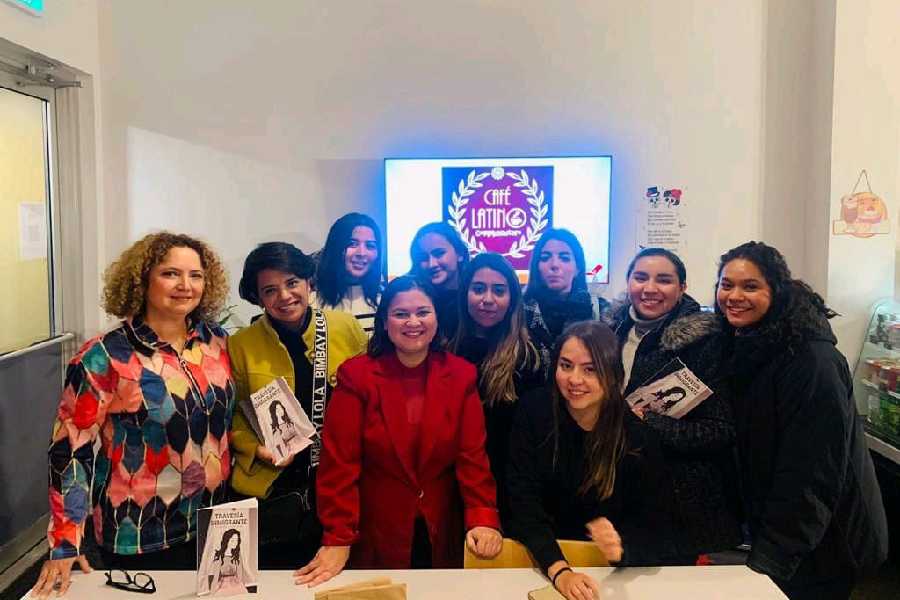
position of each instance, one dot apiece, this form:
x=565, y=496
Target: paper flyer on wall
x=672, y=392
x=278, y=420
x=662, y=219
x=228, y=549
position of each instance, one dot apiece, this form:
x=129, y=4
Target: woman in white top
x=350, y=275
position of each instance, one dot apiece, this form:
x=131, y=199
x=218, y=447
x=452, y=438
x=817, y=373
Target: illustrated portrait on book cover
x=284, y=430
x=227, y=572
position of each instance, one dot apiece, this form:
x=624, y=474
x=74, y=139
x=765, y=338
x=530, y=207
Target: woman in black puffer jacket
x=657, y=326
x=813, y=504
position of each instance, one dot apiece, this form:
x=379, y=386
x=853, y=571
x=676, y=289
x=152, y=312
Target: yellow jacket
x=258, y=357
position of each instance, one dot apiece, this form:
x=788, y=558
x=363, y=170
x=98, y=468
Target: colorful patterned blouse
x=163, y=424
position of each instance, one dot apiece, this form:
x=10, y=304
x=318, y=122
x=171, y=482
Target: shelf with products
x=876, y=380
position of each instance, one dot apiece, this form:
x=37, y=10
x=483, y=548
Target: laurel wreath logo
x=533, y=195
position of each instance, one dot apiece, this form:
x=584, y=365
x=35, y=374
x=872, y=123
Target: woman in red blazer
x=403, y=472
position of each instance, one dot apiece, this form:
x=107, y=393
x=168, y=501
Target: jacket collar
x=145, y=338
x=624, y=322
x=307, y=335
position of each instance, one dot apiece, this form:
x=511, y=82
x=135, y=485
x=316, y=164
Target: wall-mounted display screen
x=501, y=205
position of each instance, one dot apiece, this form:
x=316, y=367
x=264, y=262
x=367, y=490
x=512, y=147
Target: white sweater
x=353, y=302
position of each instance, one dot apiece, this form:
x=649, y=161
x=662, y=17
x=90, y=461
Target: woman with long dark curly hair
x=812, y=502
x=350, y=273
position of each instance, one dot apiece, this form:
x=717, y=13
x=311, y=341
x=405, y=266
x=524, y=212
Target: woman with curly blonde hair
x=158, y=392
x=127, y=278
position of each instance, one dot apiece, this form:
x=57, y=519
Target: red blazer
x=368, y=497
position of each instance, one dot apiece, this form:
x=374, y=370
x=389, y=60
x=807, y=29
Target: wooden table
x=670, y=583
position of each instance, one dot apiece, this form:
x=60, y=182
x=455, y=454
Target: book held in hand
x=672, y=392
x=228, y=549
x=278, y=420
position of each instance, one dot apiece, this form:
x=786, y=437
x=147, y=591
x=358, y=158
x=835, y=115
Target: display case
x=876, y=380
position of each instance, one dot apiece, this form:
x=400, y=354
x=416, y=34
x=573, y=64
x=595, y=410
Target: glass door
x=26, y=265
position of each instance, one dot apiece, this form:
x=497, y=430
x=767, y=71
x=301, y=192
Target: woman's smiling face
x=742, y=293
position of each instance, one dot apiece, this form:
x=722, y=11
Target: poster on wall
x=499, y=210
x=863, y=213
x=661, y=221
x=32, y=231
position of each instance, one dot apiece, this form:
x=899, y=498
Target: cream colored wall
x=67, y=32
x=24, y=301
x=218, y=113
x=865, y=131
x=255, y=121
x=799, y=66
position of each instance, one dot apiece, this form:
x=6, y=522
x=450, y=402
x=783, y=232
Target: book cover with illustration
x=673, y=391
x=278, y=420
x=228, y=549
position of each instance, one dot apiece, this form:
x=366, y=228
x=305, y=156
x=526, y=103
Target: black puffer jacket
x=813, y=502
x=698, y=447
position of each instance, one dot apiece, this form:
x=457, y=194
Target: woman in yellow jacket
x=305, y=346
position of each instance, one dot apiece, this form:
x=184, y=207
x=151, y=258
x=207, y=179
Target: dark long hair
x=448, y=233
x=274, y=416
x=380, y=343
x=331, y=274
x=605, y=443
x=796, y=309
x=509, y=342
x=219, y=555
x=279, y=256
x=536, y=284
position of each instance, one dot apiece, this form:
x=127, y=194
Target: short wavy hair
x=125, y=280
x=278, y=256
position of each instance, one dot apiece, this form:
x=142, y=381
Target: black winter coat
x=813, y=501
x=547, y=315
x=544, y=490
x=699, y=447
x=498, y=418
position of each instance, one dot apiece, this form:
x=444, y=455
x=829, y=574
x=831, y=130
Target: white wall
x=246, y=121
x=799, y=64
x=865, y=132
